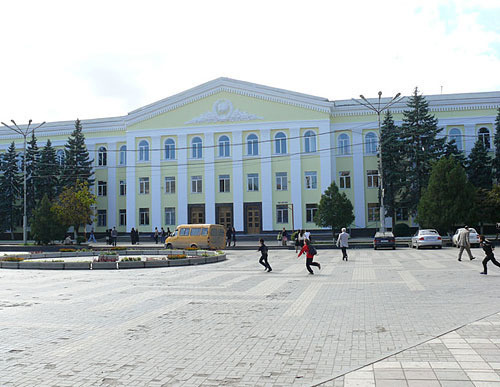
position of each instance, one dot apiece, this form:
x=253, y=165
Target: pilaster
x=156, y=212
x=237, y=154
x=112, y=195
x=131, y=191
x=266, y=181
x=359, y=180
x=209, y=182
x=296, y=177
x=182, y=183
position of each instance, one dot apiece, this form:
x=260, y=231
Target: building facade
x=246, y=155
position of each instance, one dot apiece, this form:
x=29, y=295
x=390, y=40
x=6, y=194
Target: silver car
x=473, y=237
x=426, y=238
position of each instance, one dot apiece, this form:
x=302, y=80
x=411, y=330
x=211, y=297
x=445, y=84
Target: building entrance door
x=253, y=219
x=197, y=215
x=225, y=216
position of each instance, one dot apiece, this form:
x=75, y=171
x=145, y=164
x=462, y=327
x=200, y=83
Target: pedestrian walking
x=114, y=236
x=163, y=235
x=233, y=234
x=488, y=250
x=301, y=238
x=229, y=232
x=307, y=235
x=169, y=233
x=92, y=237
x=342, y=243
x=156, y=235
x=310, y=252
x=279, y=237
x=284, y=237
x=108, y=236
x=263, y=256
x=295, y=238
x=463, y=242
x=132, y=236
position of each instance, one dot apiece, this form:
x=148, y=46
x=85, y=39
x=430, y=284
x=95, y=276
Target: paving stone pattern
x=383, y=318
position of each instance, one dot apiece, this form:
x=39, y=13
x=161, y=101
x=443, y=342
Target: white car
x=473, y=237
x=427, y=238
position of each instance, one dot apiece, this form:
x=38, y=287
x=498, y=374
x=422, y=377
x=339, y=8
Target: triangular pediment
x=225, y=100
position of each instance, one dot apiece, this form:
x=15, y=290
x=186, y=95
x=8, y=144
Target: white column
x=237, y=153
x=182, y=181
x=325, y=156
x=209, y=183
x=296, y=177
x=112, y=212
x=131, y=157
x=156, y=212
x=359, y=180
x=469, y=137
x=266, y=182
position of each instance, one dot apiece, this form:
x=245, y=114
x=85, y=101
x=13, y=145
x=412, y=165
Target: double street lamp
x=24, y=132
x=379, y=108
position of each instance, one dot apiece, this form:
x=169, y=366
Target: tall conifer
x=48, y=179
x=11, y=188
x=77, y=163
x=496, y=160
x=479, y=166
x=32, y=160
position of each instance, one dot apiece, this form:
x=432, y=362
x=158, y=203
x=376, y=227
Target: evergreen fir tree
x=392, y=157
x=11, y=188
x=451, y=150
x=479, y=166
x=419, y=137
x=32, y=159
x=48, y=178
x=496, y=142
x=77, y=163
x=45, y=225
x=335, y=210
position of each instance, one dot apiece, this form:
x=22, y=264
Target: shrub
x=176, y=256
x=118, y=248
x=13, y=259
x=131, y=259
x=67, y=250
x=402, y=230
x=80, y=239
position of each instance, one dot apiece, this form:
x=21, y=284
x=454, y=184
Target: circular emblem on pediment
x=223, y=108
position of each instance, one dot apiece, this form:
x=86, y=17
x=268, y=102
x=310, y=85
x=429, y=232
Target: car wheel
x=169, y=246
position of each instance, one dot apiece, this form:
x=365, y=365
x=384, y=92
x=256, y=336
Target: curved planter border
x=196, y=258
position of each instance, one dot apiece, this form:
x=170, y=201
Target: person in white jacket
x=342, y=243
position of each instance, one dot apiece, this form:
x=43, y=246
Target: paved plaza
x=384, y=318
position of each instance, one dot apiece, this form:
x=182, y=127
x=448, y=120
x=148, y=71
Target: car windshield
x=428, y=232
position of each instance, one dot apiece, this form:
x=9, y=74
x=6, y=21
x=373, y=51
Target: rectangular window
x=402, y=214
x=345, y=179
x=170, y=185
x=372, y=176
x=311, y=210
x=144, y=185
x=123, y=217
x=311, y=180
x=123, y=187
x=169, y=216
x=144, y=216
x=281, y=181
x=373, y=212
x=102, y=220
x=196, y=184
x=253, y=182
x=224, y=183
x=282, y=213
x=102, y=188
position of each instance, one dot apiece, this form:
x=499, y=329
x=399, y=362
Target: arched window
x=310, y=141
x=169, y=149
x=456, y=134
x=143, y=151
x=484, y=136
x=60, y=157
x=196, y=148
x=280, y=143
x=371, y=143
x=252, y=145
x=123, y=155
x=223, y=146
x=102, y=157
x=343, y=144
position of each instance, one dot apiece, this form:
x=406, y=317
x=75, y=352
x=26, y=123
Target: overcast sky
x=91, y=59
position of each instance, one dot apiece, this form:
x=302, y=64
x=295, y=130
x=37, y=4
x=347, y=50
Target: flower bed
x=176, y=256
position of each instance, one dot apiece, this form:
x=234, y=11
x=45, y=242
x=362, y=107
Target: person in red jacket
x=310, y=253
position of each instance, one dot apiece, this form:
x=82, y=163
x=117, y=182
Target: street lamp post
x=379, y=109
x=25, y=134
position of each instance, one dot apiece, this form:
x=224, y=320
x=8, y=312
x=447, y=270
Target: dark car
x=384, y=239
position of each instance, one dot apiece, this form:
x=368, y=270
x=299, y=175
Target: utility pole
x=24, y=133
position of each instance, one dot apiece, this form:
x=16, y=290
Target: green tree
x=11, y=189
x=479, y=166
x=335, y=210
x=419, y=137
x=47, y=179
x=74, y=206
x=451, y=150
x=45, y=225
x=448, y=200
x=496, y=160
x=32, y=166
x=77, y=163
x=392, y=158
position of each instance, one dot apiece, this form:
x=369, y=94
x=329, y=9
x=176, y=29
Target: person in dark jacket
x=309, y=256
x=233, y=234
x=263, y=257
x=132, y=236
x=488, y=250
x=229, y=233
